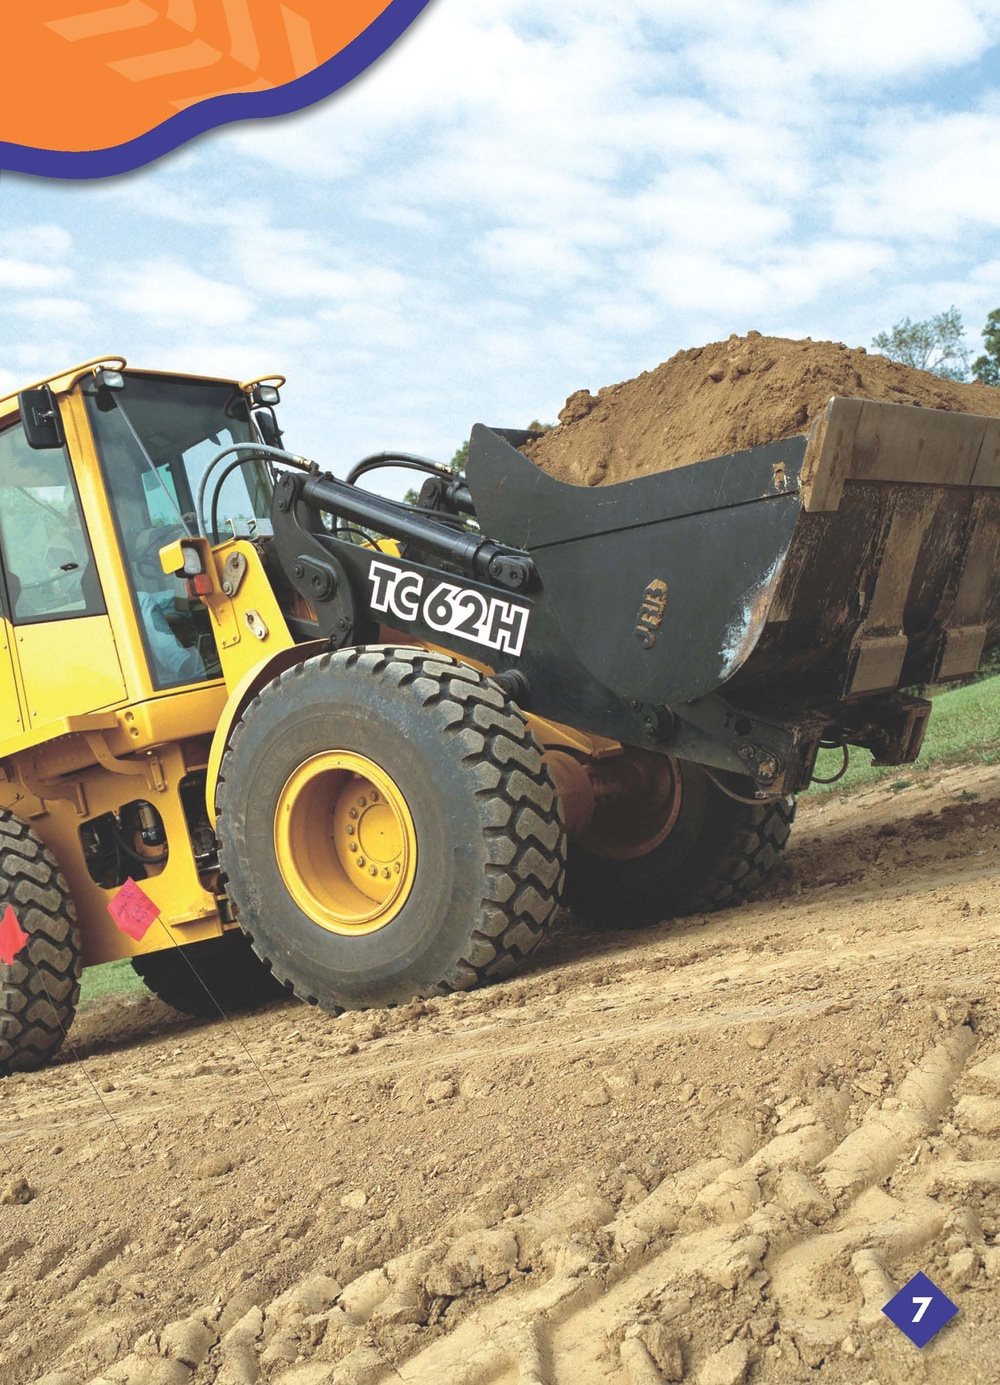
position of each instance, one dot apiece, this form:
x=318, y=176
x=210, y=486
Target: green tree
x=986, y=368
x=936, y=344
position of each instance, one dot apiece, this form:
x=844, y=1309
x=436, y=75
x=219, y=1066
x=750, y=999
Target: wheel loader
x=361, y=750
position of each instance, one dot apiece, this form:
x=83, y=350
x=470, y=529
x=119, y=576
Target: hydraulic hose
x=408, y=460
x=248, y=449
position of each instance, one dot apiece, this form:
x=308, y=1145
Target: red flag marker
x=12, y=937
x=133, y=910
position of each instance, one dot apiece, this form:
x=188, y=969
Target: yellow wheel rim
x=345, y=843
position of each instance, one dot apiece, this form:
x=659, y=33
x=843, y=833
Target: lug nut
x=386, y=873
x=362, y=801
x=373, y=870
x=361, y=863
x=397, y=868
x=350, y=830
x=353, y=813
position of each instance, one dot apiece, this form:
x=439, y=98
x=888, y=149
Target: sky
x=528, y=197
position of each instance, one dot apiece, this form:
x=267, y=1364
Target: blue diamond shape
x=920, y=1310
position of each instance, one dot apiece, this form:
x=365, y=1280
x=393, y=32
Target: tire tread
x=742, y=869
x=525, y=872
x=217, y=974
x=38, y=996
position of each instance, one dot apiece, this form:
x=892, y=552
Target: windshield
x=155, y=439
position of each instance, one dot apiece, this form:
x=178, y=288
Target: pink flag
x=12, y=937
x=133, y=910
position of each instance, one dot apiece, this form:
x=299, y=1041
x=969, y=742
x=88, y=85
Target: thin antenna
x=229, y=1024
x=135, y=912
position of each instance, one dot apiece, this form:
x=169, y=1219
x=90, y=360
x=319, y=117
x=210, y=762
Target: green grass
x=964, y=725
x=112, y=978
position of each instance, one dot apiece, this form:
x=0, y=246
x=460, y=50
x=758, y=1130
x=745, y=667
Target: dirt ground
x=707, y=1152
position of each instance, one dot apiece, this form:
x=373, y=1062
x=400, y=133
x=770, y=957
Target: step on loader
x=361, y=750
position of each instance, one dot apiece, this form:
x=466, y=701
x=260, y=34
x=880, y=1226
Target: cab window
x=48, y=563
x=155, y=439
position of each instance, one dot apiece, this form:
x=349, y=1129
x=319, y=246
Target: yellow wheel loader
x=360, y=750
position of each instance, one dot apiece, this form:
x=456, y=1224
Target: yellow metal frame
x=64, y=381
x=73, y=759
x=59, y=384
x=98, y=748
x=57, y=805
x=275, y=378
x=252, y=652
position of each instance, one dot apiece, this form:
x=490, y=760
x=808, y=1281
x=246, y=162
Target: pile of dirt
x=730, y=395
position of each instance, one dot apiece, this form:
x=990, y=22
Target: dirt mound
x=725, y=397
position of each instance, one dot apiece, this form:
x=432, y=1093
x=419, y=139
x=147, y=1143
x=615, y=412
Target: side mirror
x=40, y=418
x=267, y=427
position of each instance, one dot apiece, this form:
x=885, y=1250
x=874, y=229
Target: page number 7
x=925, y=1302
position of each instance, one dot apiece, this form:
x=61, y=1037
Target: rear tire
x=236, y=978
x=39, y=990
x=478, y=831
x=717, y=854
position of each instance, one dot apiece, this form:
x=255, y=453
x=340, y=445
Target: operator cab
x=153, y=439
x=155, y=436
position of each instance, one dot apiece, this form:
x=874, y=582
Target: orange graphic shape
x=89, y=74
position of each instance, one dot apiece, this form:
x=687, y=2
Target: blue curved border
x=197, y=120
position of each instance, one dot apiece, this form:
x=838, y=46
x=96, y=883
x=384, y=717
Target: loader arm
x=735, y=612
x=489, y=603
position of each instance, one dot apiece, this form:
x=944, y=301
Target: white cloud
x=858, y=40
x=165, y=292
x=538, y=261
x=34, y=255
x=32, y=274
x=295, y=264
x=522, y=198
x=923, y=174
x=43, y=241
x=51, y=310
x=697, y=205
x=698, y=280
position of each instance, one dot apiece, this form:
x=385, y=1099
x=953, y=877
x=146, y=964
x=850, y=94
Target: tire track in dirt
x=707, y=1152
x=627, y=1296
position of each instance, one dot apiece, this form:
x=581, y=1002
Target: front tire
x=717, y=853
x=39, y=990
x=388, y=828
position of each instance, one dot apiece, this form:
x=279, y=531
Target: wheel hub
x=637, y=804
x=345, y=842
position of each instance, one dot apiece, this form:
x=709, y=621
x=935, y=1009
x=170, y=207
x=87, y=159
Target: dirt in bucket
x=725, y=397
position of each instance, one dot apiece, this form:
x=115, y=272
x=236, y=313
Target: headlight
x=193, y=565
